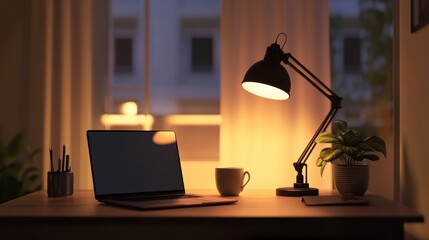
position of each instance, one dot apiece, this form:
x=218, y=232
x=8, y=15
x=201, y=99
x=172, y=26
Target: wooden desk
x=257, y=215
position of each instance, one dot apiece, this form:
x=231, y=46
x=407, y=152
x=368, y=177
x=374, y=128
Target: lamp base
x=297, y=192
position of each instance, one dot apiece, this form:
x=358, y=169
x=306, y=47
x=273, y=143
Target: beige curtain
x=65, y=58
x=68, y=54
x=266, y=136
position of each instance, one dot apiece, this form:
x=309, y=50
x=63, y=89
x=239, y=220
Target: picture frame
x=419, y=14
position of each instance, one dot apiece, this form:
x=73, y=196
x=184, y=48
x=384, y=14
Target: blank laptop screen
x=134, y=161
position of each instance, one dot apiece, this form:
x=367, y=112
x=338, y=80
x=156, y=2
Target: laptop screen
x=124, y=162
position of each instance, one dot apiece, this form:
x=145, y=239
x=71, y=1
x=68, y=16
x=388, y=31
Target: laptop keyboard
x=159, y=197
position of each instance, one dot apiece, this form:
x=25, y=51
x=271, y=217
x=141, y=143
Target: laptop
x=141, y=169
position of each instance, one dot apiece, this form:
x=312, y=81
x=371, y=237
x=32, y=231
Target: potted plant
x=349, y=149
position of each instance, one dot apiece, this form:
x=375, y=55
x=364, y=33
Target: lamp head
x=268, y=78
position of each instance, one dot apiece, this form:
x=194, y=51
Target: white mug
x=229, y=181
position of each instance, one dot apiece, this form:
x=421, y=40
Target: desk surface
x=252, y=206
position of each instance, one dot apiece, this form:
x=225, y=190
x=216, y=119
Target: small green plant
x=349, y=147
x=18, y=176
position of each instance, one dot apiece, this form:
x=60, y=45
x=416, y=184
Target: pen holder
x=60, y=184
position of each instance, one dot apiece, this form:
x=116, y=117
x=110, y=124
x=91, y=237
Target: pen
x=59, y=165
x=52, y=160
x=67, y=163
x=64, y=158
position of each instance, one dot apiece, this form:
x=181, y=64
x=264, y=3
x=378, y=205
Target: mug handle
x=248, y=179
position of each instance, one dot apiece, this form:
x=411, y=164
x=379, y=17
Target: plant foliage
x=18, y=176
x=348, y=146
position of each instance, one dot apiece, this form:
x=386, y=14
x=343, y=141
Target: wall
x=14, y=47
x=414, y=118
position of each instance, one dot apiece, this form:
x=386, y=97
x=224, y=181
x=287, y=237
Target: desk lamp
x=269, y=79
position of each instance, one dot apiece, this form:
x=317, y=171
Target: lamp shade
x=268, y=78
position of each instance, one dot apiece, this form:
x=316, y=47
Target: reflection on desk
x=257, y=215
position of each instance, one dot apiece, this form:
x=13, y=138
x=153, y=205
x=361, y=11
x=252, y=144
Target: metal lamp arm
x=316, y=82
x=323, y=126
x=326, y=91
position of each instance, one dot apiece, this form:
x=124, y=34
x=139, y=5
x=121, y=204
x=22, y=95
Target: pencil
x=64, y=158
x=59, y=165
x=67, y=163
x=52, y=160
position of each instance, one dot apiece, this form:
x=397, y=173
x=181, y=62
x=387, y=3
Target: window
x=123, y=55
x=124, y=47
x=362, y=73
x=352, y=53
x=202, y=54
x=181, y=88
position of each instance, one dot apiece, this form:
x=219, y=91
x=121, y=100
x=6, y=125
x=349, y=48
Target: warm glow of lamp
x=164, y=137
x=266, y=91
x=269, y=79
x=129, y=108
x=194, y=119
x=120, y=119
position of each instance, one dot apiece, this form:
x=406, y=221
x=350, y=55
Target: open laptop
x=140, y=169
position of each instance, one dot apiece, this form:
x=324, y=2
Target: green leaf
x=350, y=138
x=331, y=153
x=30, y=171
x=29, y=184
x=32, y=153
x=363, y=146
x=319, y=162
x=341, y=125
x=14, y=147
x=351, y=151
x=13, y=169
x=326, y=137
x=322, y=168
x=377, y=144
x=356, y=133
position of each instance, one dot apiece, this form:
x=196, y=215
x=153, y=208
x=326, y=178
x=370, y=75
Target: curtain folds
x=69, y=73
x=63, y=66
x=266, y=136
